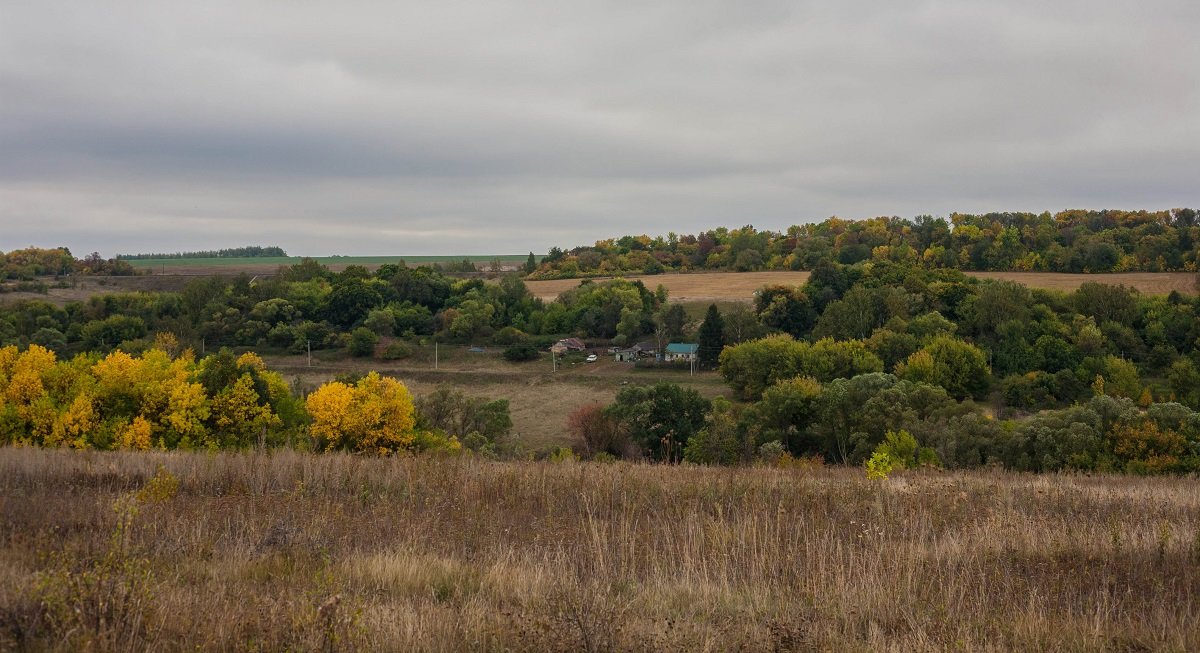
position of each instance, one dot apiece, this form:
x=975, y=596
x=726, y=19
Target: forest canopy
x=1068, y=241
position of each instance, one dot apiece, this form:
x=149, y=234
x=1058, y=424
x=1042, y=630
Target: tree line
x=1067, y=241
x=32, y=262
x=251, y=251
x=306, y=306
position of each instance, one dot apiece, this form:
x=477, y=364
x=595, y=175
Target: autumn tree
x=375, y=415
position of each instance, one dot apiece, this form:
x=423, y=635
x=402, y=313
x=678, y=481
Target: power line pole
x=435, y=354
x=308, y=344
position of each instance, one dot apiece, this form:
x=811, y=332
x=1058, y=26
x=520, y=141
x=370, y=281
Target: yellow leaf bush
x=375, y=415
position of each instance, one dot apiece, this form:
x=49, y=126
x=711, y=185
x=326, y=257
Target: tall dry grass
x=288, y=551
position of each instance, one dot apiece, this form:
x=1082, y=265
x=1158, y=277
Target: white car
x=592, y=358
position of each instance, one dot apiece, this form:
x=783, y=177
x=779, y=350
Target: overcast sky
x=502, y=127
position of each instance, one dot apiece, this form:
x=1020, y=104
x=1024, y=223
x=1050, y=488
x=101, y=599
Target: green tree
x=673, y=320
x=531, y=264
x=350, y=302
x=786, y=410
x=720, y=442
x=957, y=366
x=1185, y=382
x=660, y=418
x=753, y=366
x=711, y=338
x=362, y=342
x=786, y=309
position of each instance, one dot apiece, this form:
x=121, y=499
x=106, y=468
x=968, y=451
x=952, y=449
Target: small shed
x=625, y=355
x=647, y=348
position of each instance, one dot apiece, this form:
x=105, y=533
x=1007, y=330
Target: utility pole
x=435, y=354
x=308, y=344
x=553, y=360
x=202, y=348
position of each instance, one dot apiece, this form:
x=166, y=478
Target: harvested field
x=1148, y=283
x=694, y=287
x=740, y=286
x=287, y=551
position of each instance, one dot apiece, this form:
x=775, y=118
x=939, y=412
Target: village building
x=567, y=345
x=680, y=351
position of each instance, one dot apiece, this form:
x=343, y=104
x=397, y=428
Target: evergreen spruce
x=711, y=338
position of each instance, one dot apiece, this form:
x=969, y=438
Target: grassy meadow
x=285, y=551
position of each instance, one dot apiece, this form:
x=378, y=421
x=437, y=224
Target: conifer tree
x=711, y=338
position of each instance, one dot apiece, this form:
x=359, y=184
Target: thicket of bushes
x=166, y=399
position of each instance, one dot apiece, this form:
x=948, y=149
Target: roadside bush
x=397, y=350
x=521, y=352
x=509, y=336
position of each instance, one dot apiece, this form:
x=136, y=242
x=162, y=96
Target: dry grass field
x=1148, y=283
x=740, y=286
x=284, y=551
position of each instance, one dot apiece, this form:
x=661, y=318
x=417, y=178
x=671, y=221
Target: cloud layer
x=497, y=127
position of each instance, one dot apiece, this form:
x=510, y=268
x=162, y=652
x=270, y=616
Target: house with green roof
x=680, y=351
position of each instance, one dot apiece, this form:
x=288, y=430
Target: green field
x=325, y=260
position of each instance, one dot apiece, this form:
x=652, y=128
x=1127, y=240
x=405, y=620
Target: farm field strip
x=740, y=286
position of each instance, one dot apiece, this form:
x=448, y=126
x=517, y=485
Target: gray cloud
x=466, y=127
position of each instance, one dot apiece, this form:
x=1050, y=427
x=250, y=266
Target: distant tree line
x=251, y=251
x=1068, y=241
x=308, y=306
x=32, y=262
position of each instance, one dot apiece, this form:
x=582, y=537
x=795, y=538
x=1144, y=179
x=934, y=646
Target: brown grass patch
x=288, y=551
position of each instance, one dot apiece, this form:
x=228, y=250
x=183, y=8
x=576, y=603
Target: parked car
x=591, y=358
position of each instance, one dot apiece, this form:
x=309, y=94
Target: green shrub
x=397, y=350
x=521, y=352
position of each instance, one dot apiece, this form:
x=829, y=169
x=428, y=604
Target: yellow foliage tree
x=77, y=423
x=1144, y=448
x=374, y=416
x=187, y=409
x=25, y=379
x=136, y=435
x=237, y=416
